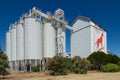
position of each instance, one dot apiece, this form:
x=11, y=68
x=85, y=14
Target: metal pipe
x=68, y=27
x=37, y=12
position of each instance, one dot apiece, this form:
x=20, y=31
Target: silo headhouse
x=87, y=37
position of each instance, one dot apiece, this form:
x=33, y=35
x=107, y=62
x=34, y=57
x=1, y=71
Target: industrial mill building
x=87, y=37
x=37, y=36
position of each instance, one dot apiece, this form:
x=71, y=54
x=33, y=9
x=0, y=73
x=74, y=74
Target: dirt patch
x=92, y=75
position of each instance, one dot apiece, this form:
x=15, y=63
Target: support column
x=30, y=65
x=35, y=62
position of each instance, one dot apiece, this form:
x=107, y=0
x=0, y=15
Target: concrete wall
x=80, y=39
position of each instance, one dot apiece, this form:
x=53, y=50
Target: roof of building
x=86, y=19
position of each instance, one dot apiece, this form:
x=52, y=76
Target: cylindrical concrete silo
x=13, y=46
x=32, y=36
x=13, y=43
x=49, y=40
x=33, y=41
x=20, y=41
x=8, y=46
x=20, y=45
x=39, y=26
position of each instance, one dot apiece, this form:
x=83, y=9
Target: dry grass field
x=92, y=75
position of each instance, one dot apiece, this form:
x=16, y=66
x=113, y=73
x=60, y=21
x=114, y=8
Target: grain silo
x=35, y=37
x=39, y=26
x=20, y=44
x=49, y=40
x=32, y=41
x=20, y=41
x=13, y=45
x=8, y=47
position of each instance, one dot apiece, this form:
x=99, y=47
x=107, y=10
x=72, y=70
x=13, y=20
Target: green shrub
x=80, y=66
x=61, y=66
x=58, y=66
x=68, y=64
x=119, y=63
x=48, y=62
x=35, y=69
x=110, y=67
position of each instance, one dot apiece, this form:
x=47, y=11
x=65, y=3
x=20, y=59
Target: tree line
x=59, y=65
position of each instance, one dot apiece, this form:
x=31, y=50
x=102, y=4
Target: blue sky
x=104, y=12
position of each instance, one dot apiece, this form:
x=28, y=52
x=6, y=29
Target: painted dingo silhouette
x=100, y=41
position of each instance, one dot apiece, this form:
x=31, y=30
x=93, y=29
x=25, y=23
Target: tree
x=3, y=63
x=98, y=59
x=80, y=66
x=114, y=58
